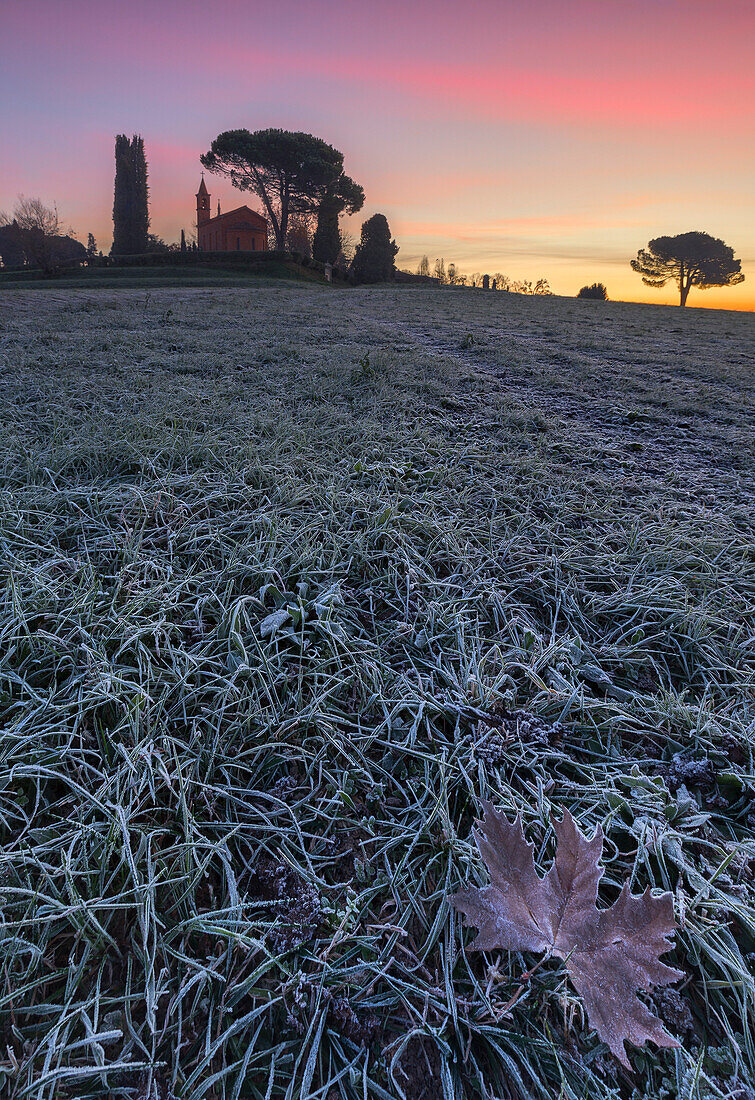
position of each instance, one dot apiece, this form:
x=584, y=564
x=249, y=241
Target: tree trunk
x=684, y=292
x=282, y=231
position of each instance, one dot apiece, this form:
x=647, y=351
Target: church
x=240, y=230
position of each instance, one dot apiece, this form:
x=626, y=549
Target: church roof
x=234, y=213
x=203, y=188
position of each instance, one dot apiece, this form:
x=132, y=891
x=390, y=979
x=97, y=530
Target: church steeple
x=203, y=203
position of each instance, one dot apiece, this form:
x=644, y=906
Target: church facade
x=240, y=230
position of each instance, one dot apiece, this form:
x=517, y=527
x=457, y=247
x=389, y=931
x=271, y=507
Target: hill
x=213, y=273
x=295, y=579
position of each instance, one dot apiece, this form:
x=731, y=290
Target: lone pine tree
x=690, y=259
x=130, y=205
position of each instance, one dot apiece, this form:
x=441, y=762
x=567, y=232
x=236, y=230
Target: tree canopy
x=292, y=173
x=373, y=260
x=690, y=259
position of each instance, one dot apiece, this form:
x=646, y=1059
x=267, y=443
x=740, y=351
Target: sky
x=537, y=139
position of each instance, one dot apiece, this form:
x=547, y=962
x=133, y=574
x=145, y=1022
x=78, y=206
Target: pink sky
x=544, y=139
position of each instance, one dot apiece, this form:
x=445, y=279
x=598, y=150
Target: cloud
x=532, y=93
x=478, y=249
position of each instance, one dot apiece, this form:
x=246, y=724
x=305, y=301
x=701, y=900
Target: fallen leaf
x=610, y=954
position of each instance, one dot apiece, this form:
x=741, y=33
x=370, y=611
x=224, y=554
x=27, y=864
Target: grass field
x=293, y=579
x=211, y=274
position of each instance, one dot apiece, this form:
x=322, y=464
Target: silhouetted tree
x=348, y=248
x=343, y=196
x=690, y=259
x=38, y=227
x=376, y=252
x=91, y=246
x=596, y=291
x=299, y=238
x=439, y=271
x=34, y=237
x=291, y=172
x=451, y=274
x=130, y=205
x=183, y=241
x=423, y=268
x=542, y=286
x=157, y=244
x=326, y=244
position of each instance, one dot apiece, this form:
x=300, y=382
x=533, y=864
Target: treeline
x=33, y=236
x=451, y=276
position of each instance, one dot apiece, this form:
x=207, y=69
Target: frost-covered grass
x=293, y=579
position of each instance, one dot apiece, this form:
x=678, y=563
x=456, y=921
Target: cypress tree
x=373, y=261
x=327, y=240
x=130, y=209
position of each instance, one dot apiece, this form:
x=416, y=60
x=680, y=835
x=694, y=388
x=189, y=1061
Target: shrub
x=596, y=291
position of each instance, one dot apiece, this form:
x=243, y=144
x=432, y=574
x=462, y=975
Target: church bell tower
x=203, y=203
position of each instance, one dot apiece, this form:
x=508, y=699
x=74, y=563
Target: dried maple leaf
x=610, y=954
